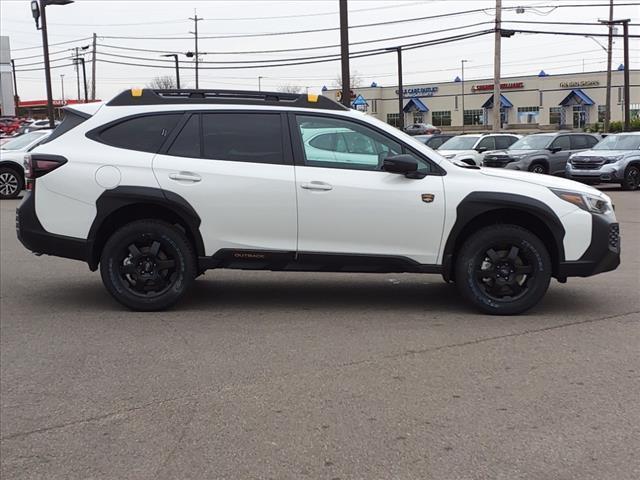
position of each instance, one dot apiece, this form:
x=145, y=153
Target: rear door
x=235, y=168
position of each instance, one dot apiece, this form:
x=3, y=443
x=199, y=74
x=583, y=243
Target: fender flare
x=111, y=201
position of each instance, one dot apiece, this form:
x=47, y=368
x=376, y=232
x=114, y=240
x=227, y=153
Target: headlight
x=590, y=203
x=614, y=159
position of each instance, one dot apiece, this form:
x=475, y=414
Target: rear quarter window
x=145, y=133
x=71, y=120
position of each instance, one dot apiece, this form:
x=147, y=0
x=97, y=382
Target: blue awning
x=359, y=101
x=504, y=102
x=576, y=97
x=415, y=104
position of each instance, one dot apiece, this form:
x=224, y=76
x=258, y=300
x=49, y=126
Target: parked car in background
x=471, y=148
x=12, y=158
x=9, y=126
x=542, y=152
x=615, y=159
x=434, y=141
x=421, y=129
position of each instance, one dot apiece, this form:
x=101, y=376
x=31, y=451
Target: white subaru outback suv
x=156, y=186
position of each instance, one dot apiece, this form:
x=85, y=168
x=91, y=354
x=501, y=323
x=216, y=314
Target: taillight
x=38, y=165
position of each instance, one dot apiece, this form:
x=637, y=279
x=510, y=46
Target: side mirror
x=402, y=164
x=554, y=149
x=481, y=149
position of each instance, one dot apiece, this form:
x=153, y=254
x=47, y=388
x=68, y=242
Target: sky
x=164, y=26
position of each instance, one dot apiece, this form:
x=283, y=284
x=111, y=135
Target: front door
x=558, y=160
x=236, y=171
x=348, y=205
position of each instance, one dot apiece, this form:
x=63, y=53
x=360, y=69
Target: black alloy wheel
x=10, y=183
x=537, y=168
x=631, y=178
x=503, y=269
x=148, y=265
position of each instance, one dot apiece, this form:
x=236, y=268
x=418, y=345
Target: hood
x=539, y=179
x=603, y=153
x=449, y=154
x=513, y=153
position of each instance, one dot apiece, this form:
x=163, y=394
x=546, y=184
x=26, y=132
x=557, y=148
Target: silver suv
x=616, y=159
x=541, y=152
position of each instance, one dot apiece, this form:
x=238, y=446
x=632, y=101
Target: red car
x=8, y=126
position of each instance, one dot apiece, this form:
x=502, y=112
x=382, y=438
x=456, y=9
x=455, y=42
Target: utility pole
x=93, y=68
x=627, y=93
x=16, y=97
x=196, y=19
x=607, y=112
x=497, y=101
x=344, y=53
x=84, y=80
x=400, y=91
x=462, y=62
x=62, y=84
x=175, y=57
x=75, y=62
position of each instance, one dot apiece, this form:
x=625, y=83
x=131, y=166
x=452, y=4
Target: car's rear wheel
x=503, y=270
x=631, y=178
x=538, y=168
x=148, y=265
x=11, y=183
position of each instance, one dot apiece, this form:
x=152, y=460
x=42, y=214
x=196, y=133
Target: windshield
x=619, y=142
x=22, y=141
x=532, y=142
x=459, y=143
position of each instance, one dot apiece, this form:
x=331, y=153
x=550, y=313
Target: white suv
x=471, y=148
x=155, y=187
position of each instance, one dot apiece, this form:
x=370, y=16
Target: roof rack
x=148, y=96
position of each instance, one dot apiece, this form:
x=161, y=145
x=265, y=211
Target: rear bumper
x=34, y=237
x=603, y=254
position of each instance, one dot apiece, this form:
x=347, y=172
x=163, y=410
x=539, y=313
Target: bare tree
x=289, y=88
x=164, y=82
x=355, y=81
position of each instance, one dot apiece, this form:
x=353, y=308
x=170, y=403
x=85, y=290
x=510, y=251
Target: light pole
x=38, y=10
x=344, y=53
x=497, y=101
x=175, y=57
x=62, y=85
x=462, y=62
x=260, y=83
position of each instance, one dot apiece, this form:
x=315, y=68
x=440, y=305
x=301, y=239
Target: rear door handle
x=185, y=177
x=317, y=186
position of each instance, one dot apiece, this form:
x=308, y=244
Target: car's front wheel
x=11, y=183
x=503, y=269
x=538, y=168
x=631, y=178
x=148, y=265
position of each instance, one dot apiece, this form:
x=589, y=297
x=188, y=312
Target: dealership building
x=540, y=102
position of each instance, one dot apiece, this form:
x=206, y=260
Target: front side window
x=336, y=143
x=562, y=142
x=145, y=133
x=243, y=137
x=488, y=143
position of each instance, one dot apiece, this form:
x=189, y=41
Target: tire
x=631, y=178
x=538, y=168
x=522, y=275
x=131, y=263
x=11, y=183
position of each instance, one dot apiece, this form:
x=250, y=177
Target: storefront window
x=441, y=119
x=393, y=119
x=528, y=114
x=473, y=117
x=601, y=113
x=555, y=114
x=634, y=110
x=418, y=117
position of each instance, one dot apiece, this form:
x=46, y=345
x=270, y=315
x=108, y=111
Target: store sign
x=581, y=83
x=503, y=86
x=418, y=92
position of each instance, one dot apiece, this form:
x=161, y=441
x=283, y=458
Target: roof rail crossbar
x=243, y=97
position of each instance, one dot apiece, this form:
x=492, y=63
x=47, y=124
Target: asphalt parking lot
x=319, y=376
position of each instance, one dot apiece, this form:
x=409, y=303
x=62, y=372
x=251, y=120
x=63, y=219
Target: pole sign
x=503, y=86
x=418, y=92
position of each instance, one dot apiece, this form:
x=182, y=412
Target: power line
x=51, y=44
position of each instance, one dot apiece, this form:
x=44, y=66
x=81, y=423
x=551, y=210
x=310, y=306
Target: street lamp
x=38, y=9
x=175, y=57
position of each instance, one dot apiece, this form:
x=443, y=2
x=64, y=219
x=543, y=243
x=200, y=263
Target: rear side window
x=579, y=142
x=504, y=142
x=591, y=141
x=71, y=120
x=187, y=143
x=243, y=137
x=145, y=133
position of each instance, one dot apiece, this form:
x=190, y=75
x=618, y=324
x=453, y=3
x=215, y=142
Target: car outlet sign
x=418, y=92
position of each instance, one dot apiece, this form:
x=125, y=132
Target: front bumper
x=603, y=254
x=609, y=173
x=34, y=237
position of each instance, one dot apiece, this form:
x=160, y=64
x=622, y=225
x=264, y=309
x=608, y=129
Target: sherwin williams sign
x=418, y=92
x=503, y=86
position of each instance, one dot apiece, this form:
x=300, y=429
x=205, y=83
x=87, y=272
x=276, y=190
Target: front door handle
x=317, y=186
x=185, y=177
